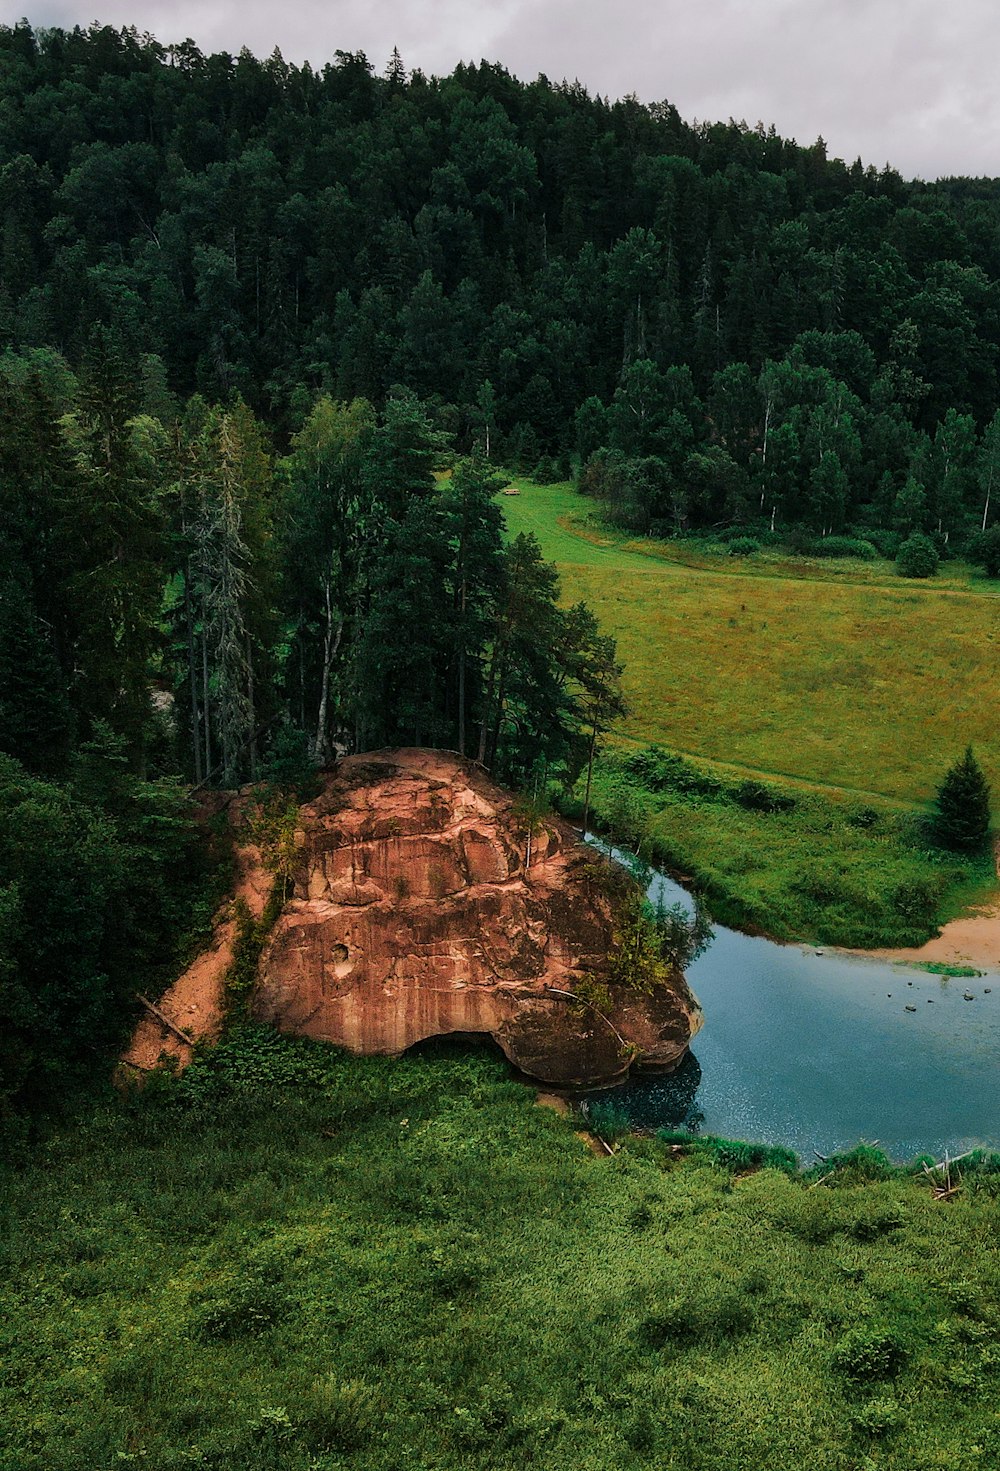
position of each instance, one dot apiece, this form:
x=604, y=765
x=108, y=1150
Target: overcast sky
x=906, y=81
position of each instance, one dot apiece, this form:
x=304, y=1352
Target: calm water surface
x=818, y=1052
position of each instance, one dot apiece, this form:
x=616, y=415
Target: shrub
x=744, y=546
x=714, y=1313
x=755, y=796
x=243, y=1307
x=608, y=1121
x=878, y=1416
x=885, y=541
x=984, y=550
x=842, y=546
x=340, y=1415
x=867, y=1354
x=917, y=557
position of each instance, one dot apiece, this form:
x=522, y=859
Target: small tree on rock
x=962, y=805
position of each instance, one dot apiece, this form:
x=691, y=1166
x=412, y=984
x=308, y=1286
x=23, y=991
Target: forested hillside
x=750, y=325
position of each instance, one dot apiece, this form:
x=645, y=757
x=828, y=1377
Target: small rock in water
x=909, y=1008
x=909, y=983
x=987, y=990
x=968, y=996
x=930, y=1001
x=889, y=995
x=819, y=952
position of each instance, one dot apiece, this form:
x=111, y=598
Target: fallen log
x=164, y=1020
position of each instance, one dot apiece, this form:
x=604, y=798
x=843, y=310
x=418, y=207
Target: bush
x=885, y=541
x=546, y=472
x=743, y=546
x=755, y=796
x=917, y=557
x=878, y=1416
x=841, y=546
x=242, y=1307
x=984, y=550
x=608, y=1121
x=867, y=1354
x=340, y=1415
x=99, y=881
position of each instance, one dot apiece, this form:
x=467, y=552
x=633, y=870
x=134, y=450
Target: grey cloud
x=905, y=81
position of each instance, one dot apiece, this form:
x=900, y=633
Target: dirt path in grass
x=194, y=1002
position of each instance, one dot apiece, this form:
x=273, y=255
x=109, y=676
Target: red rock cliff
x=423, y=907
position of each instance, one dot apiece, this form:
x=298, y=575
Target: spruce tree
x=962, y=805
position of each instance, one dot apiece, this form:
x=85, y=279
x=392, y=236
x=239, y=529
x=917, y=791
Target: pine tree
x=962, y=815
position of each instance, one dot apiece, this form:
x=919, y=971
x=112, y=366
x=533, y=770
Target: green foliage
x=743, y=546
x=840, y=546
x=984, y=550
x=249, y=940
x=289, y=1257
x=100, y=878
x=792, y=864
x=731, y=1154
x=962, y=805
x=917, y=557
x=865, y=1355
x=607, y=1121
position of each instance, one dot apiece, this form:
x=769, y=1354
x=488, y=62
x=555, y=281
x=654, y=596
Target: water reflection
x=664, y=1101
x=818, y=1050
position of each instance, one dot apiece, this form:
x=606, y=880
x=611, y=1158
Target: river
x=817, y=1050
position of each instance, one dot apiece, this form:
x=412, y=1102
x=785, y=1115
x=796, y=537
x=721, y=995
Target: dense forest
x=749, y=326
x=265, y=332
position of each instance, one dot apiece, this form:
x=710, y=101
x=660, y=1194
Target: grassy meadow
x=294, y=1259
x=835, y=681
x=837, y=673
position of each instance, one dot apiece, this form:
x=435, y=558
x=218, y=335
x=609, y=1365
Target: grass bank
x=294, y=1259
x=790, y=862
x=840, y=690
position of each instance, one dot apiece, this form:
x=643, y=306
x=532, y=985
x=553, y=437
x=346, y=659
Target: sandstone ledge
x=423, y=906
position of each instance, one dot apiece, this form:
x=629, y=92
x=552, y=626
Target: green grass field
x=835, y=673
x=845, y=688
x=292, y=1260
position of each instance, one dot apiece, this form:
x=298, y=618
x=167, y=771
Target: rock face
x=424, y=906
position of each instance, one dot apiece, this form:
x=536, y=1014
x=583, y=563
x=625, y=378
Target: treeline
x=169, y=579
x=817, y=443
x=754, y=327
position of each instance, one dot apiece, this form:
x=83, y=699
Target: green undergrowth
x=291, y=1258
x=248, y=945
x=787, y=862
x=940, y=968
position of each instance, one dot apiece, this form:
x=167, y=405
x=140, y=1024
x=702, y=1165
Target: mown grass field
x=835, y=673
x=292, y=1260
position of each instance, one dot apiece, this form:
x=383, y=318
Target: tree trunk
x=253, y=712
x=461, y=679
x=321, y=750
x=192, y=676
x=590, y=773
x=204, y=692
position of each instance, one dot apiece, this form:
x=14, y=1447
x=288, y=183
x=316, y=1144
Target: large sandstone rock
x=424, y=906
